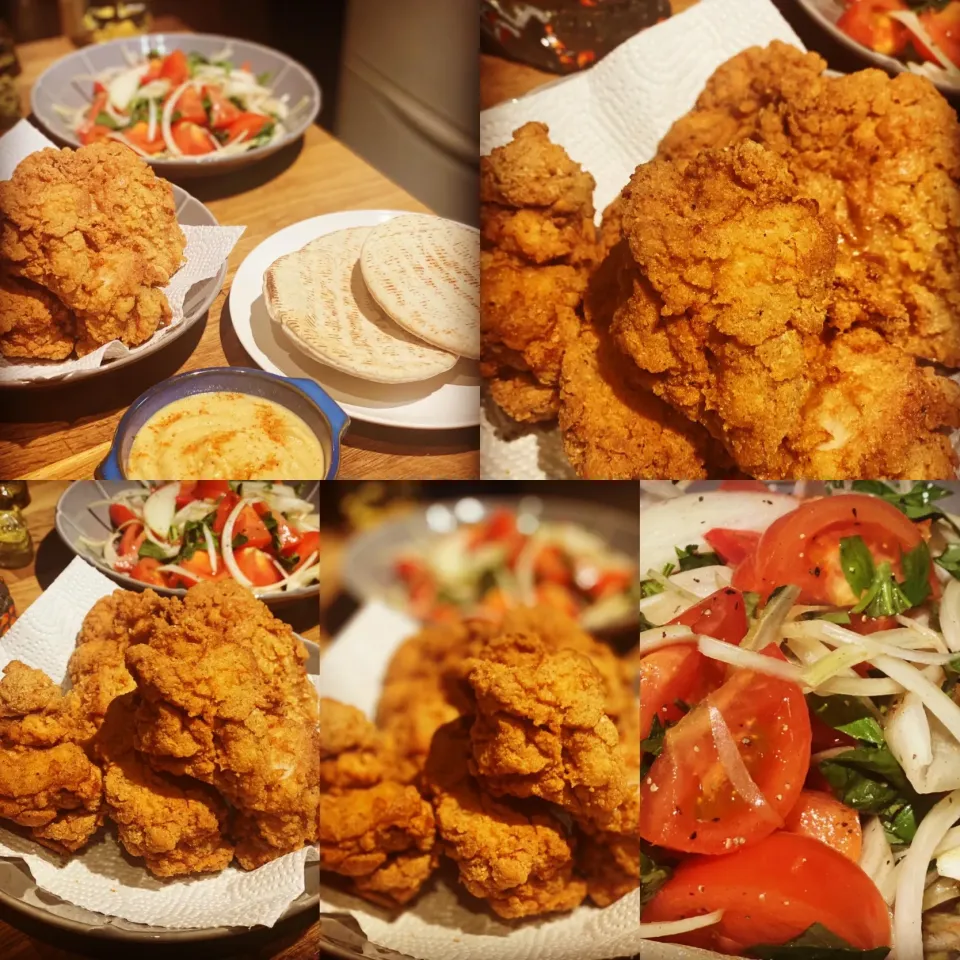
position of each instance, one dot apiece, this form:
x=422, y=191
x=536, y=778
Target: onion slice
x=749, y=659
x=226, y=544
x=665, y=636
x=768, y=628
x=672, y=928
x=211, y=549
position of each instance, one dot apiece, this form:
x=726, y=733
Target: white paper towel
x=100, y=877
x=207, y=249
x=610, y=119
x=442, y=924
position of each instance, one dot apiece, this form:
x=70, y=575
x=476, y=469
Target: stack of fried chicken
x=510, y=749
x=88, y=239
x=776, y=291
x=191, y=725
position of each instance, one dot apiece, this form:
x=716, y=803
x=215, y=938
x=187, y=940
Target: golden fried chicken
x=539, y=243
x=373, y=829
x=225, y=699
x=613, y=427
x=881, y=156
x=514, y=854
x=97, y=228
x=178, y=826
x=34, y=324
x=728, y=110
x=729, y=293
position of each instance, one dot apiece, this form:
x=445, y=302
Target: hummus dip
x=225, y=436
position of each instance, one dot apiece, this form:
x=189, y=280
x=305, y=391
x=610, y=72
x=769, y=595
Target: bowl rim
x=131, y=583
x=207, y=372
x=191, y=163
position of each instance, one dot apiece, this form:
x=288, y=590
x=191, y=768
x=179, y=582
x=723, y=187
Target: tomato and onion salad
x=926, y=36
x=263, y=535
x=181, y=105
x=507, y=560
x=801, y=730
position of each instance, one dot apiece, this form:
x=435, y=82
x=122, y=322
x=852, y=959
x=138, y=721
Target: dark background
x=310, y=31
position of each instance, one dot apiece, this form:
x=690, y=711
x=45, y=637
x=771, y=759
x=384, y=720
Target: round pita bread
x=424, y=272
x=318, y=296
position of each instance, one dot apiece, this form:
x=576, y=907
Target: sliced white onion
x=151, y=120
x=165, y=119
x=833, y=664
x=768, y=628
x=748, y=659
x=942, y=890
x=110, y=551
x=120, y=138
x=686, y=588
x=665, y=636
x=911, y=882
x=194, y=510
x=935, y=639
x=907, y=732
x=934, y=699
x=226, y=544
x=876, y=643
x=950, y=840
x=950, y=615
x=735, y=768
x=290, y=581
x=876, y=858
x=860, y=687
x=183, y=571
x=211, y=549
x=673, y=928
x=160, y=508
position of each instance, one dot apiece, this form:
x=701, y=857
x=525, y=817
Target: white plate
x=442, y=403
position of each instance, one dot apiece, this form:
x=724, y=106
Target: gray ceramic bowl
x=77, y=516
x=190, y=213
x=60, y=85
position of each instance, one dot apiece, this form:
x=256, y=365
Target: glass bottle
x=16, y=491
x=16, y=546
x=89, y=21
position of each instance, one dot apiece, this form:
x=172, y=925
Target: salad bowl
x=83, y=516
x=66, y=88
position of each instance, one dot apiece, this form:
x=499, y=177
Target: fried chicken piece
x=178, y=826
x=539, y=244
x=881, y=156
x=613, y=428
x=34, y=324
x=98, y=228
x=728, y=110
x=541, y=728
x=353, y=753
x=515, y=855
x=225, y=699
x=729, y=297
x=399, y=880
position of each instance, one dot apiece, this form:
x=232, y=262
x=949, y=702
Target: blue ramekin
x=303, y=397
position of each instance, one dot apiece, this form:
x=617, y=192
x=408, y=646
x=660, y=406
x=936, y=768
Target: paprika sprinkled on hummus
x=225, y=436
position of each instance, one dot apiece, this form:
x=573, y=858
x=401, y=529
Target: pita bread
x=424, y=272
x=319, y=298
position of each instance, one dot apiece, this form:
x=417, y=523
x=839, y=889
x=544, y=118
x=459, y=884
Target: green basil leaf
x=239, y=540
x=849, y=716
x=105, y=120
x=917, y=504
x=649, y=588
x=916, y=572
x=857, y=563
x=750, y=602
x=950, y=560
x=653, y=875
x=149, y=549
x=816, y=943
x=690, y=558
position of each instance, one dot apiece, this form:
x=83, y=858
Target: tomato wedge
x=252, y=529
x=222, y=111
x=687, y=800
x=120, y=513
x=680, y=673
x=869, y=23
x=190, y=107
x=943, y=28
x=211, y=489
x=187, y=493
x=146, y=571
x=139, y=136
x=95, y=133
x=823, y=817
x=224, y=509
x=191, y=138
x=802, y=547
x=154, y=66
x=249, y=124
x=733, y=546
x=133, y=536
x=770, y=893
x=257, y=566
x=744, y=486
x=308, y=544
x=175, y=68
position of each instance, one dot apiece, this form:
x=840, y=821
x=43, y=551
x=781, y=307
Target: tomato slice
x=175, y=68
x=190, y=107
x=868, y=22
x=139, y=136
x=943, y=28
x=307, y=545
x=559, y=597
x=133, y=536
x=802, y=547
x=552, y=563
x=211, y=489
x=222, y=111
x=120, y=513
x=224, y=509
x=770, y=893
x=823, y=817
x=191, y=138
x=94, y=133
x=257, y=566
x=146, y=571
x=744, y=486
x=609, y=583
x=154, y=66
x=733, y=546
x=251, y=124
x=187, y=493
x=249, y=525
x=680, y=673
x=687, y=801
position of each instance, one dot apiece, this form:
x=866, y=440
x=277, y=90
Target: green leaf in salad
x=264, y=135
x=105, y=120
x=653, y=875
x=194, y=538
x=689, y=558
x=139, y=110
x=239, y=540
x=831, y=616
x=916, y=574
x=751, y=601
x=950, y=560
x=847, y=715
x=149, y=549
x=223, y=64
x=649, y=588
x=816, y=943
x=264, y=78
x=917, y=504
x=876, y=588
x=195, y=60
x=857, y=564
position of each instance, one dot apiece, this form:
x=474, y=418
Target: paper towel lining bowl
x=190, y=213
x=17, y=885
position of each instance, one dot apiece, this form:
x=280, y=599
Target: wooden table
x=64, y=432
x=21, y=938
